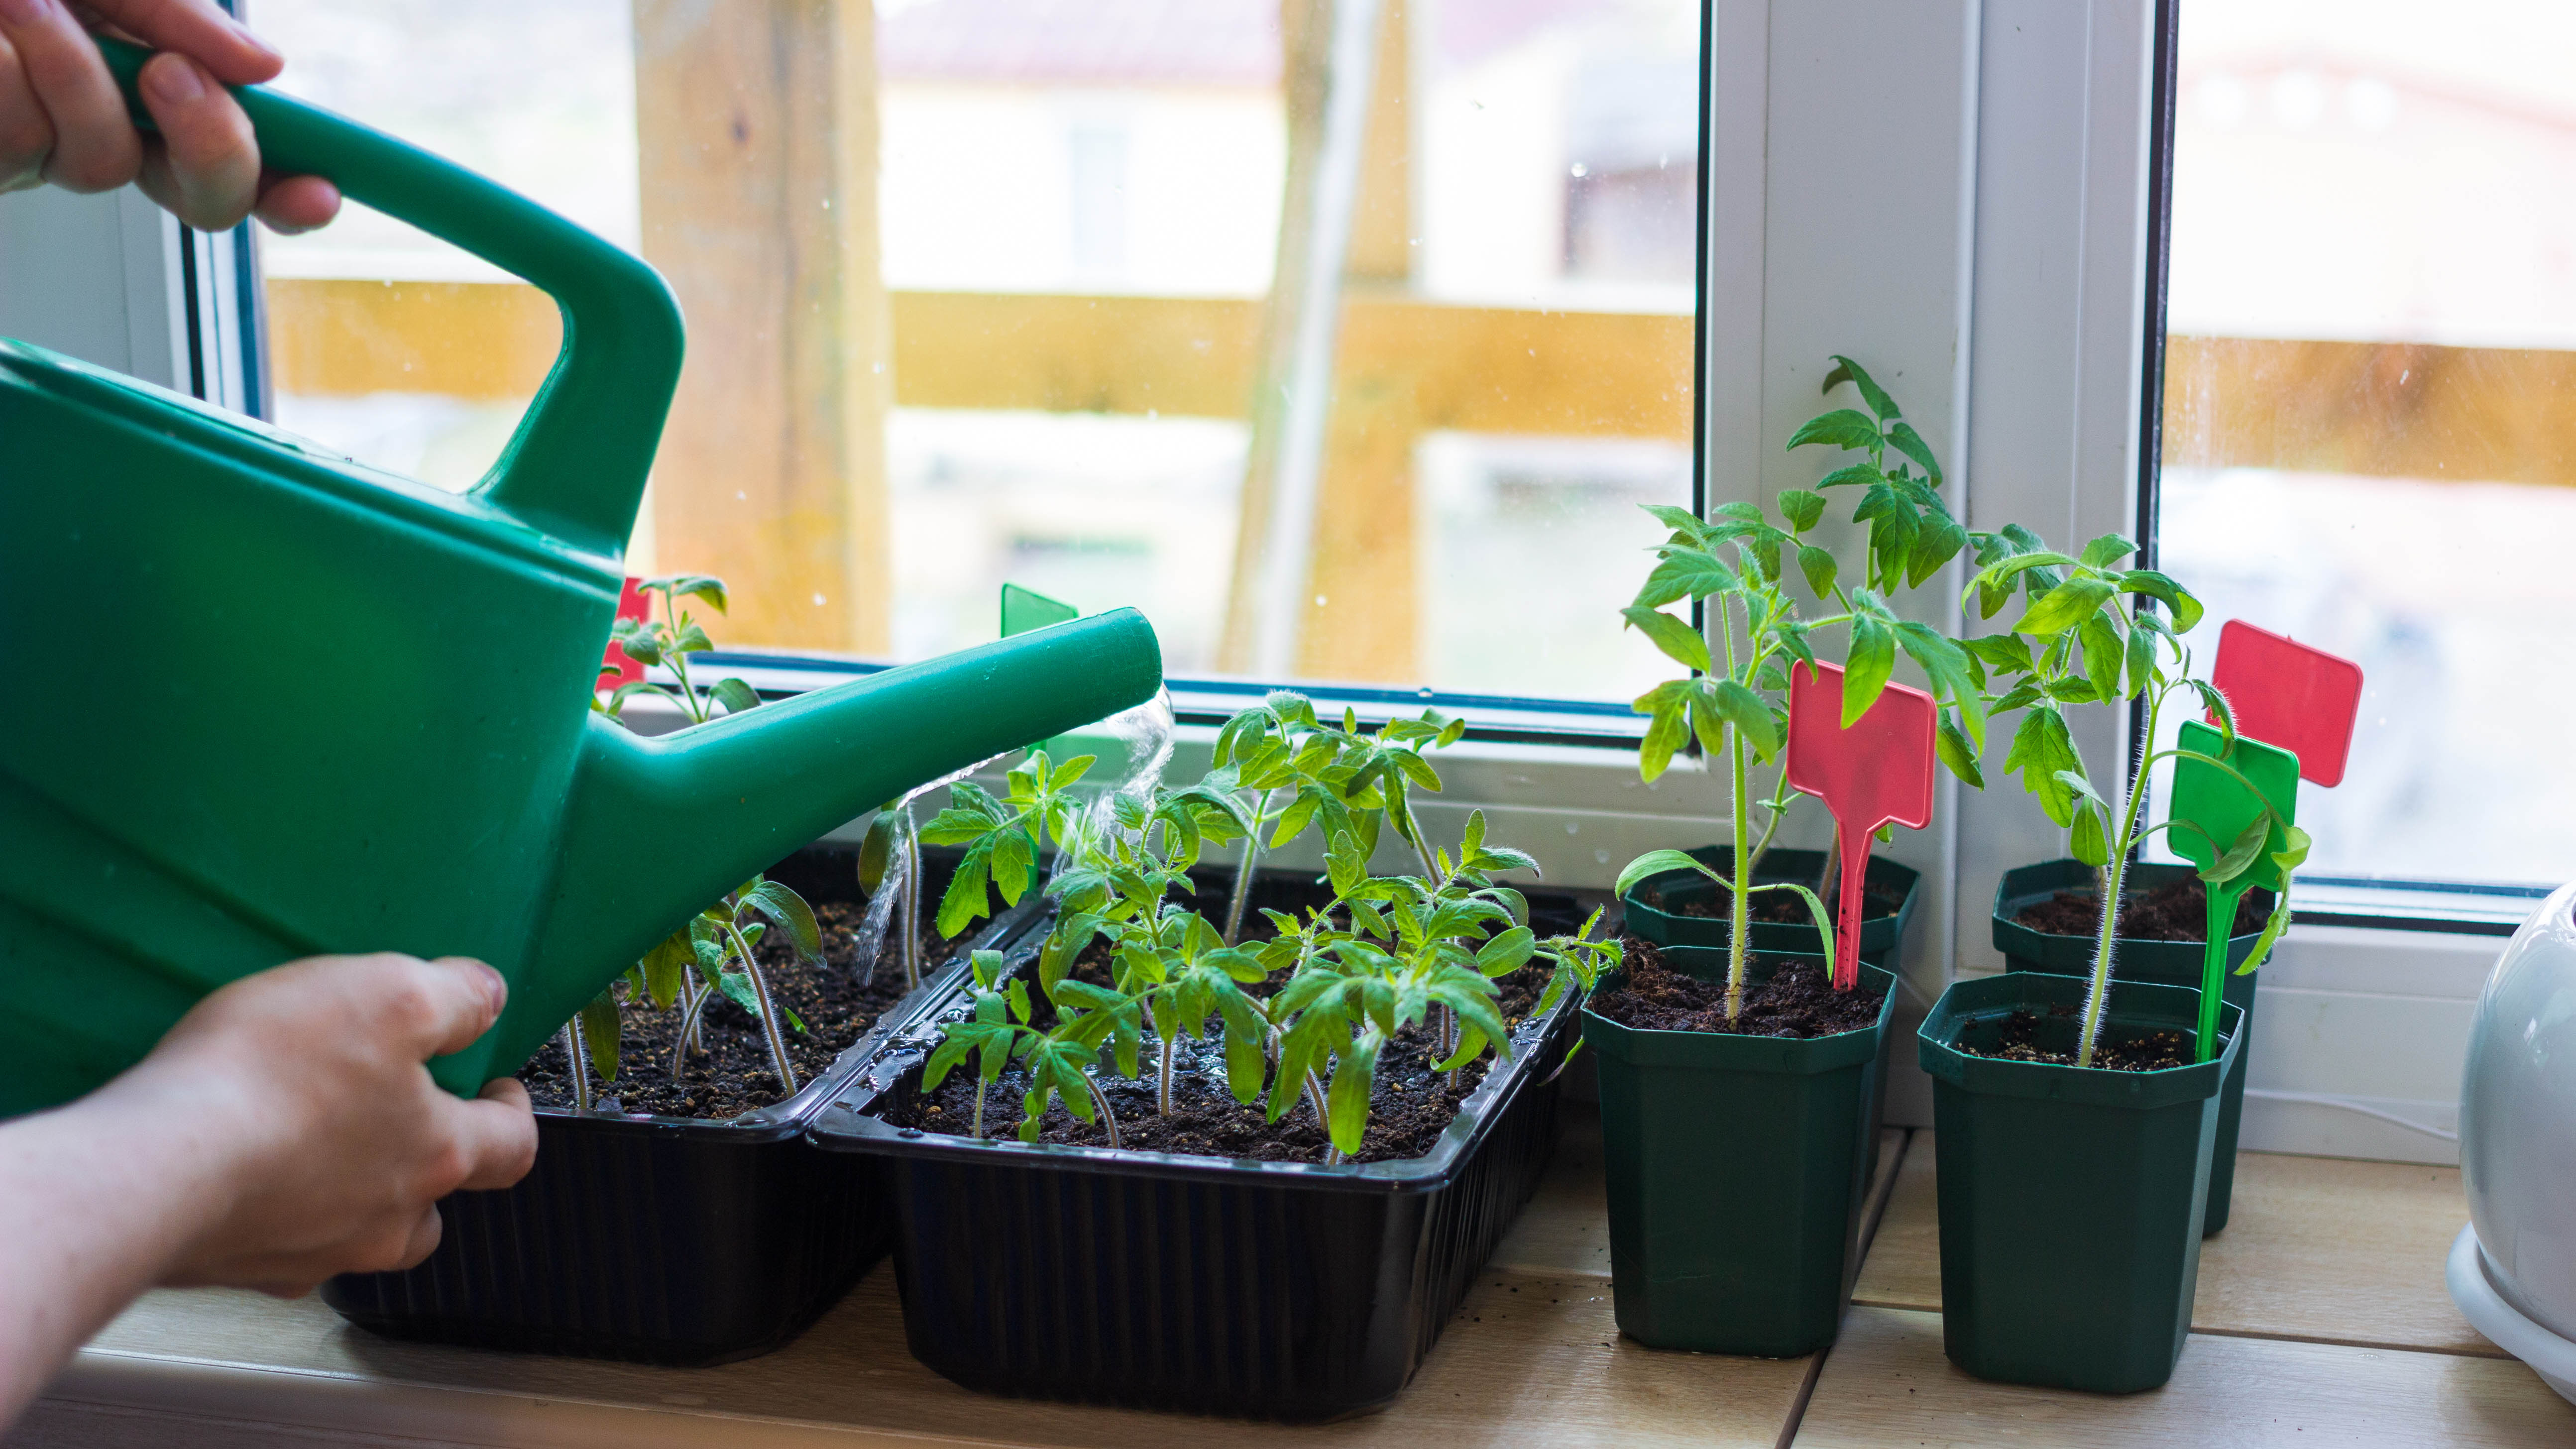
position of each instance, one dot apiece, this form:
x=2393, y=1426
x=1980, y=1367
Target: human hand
x=63, y=121
x=303, y=1094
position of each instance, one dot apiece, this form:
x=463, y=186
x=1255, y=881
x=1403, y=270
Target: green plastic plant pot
x=2071, y=1198
x=1882, y=938
x=2169, y=963
x=1737, y=1166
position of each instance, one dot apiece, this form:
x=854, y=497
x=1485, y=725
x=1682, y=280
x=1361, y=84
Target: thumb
x=459, y=998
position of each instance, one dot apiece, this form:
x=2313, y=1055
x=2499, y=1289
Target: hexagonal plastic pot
x=1737, y=1168
x=2171, y=963
x=2071, y=1197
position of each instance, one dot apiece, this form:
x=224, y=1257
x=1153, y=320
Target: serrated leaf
x=1686, y=573
x=1803, y=509
x=1818, y=566
x=2107, y=550
x=1663, y=737
x=1745, y=710
x=1841, y=428
x=964, y=902
x=1867, y=667
x=1676, y=638
x=1846, y=370
x=601, y=1029
x=1905, y=440
x=2063, y=607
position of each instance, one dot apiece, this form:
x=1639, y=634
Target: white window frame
x=1956, y=190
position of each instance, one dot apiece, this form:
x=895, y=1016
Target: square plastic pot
x=2071, y=1198
x=1737, y=1168
x=1286, y=1291
x=1882, y=938
x=2169, y=963
x=663, y=1240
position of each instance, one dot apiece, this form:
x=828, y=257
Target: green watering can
x=274, y=702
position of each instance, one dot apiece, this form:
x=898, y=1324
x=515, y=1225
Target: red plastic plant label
x=617, y=669
x=2287, y=694
x=1877, y=772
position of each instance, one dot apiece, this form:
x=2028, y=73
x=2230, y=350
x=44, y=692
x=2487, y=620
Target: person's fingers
x=295, y=204
x=438, y=1007
x=425, y=1234
x=498, y=1135
x=205, y=167
x=195, y=28
x=95, y=147
x=26, y=134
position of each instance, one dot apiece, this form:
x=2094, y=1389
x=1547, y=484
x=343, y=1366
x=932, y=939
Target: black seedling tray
x=1268, y=1290
x=665, y=1239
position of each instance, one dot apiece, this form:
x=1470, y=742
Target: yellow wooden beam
x=2385, y=409
x=756, y=127
x=455, y=339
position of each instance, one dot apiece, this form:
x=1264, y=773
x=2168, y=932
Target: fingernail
x=497, y=988
x=251, y=37
x=175, y=81
x=26, y=12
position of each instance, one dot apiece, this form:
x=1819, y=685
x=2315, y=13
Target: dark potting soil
x=1786, y=908
x=2175, y=911
x=1411, y=1107
x=2153, y=1051
x=1796, y=1000
x=735, y=1074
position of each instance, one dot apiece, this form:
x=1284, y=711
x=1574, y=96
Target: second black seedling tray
x=1267, y=1290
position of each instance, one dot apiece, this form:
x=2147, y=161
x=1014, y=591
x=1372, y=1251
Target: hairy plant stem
x=1163, y=1075
x=577, y=1066
x=1243, y=872
x=693, y=999
x=980, y=1085
x=1108, y=1115
x=908, y=904
x=2097, y=993
x=1315, y=1099
x=1739, y=929
x=769, y=1023
x=1770, y=827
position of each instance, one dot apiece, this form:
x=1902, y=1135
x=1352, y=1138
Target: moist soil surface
x=1772, y=907
x=2153, y=1051
x=734, y=1075
x=1796, y=1000
x=2175, y=911
x=1411, y=1106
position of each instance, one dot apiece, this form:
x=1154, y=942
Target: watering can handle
x=577, y=465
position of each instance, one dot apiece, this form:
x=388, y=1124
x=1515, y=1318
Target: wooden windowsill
x=2321, y=1319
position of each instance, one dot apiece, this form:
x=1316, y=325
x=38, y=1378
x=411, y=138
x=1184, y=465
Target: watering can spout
x=657, y=828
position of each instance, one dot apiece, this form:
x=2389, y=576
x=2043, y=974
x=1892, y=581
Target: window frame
x=1969, y=189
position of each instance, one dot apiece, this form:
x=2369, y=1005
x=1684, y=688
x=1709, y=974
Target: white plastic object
x=2473, y=1289
x=2518, y=1118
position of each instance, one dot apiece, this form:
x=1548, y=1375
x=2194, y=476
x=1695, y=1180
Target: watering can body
x=276, y=703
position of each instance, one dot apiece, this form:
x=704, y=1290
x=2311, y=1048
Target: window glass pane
x=987, y=290
x=2372, y=338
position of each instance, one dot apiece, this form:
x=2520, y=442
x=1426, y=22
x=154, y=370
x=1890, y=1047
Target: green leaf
x=1842, y=428
x=1803, y=509
x=1659, y=862
x=735, y=695
x=1936, y=543
x=1909, y=442
x=2063, y=607
x=1818, y=566
x=2142, y=660
x=2239, y=856
x=600, y=1031
x=2107, y=550
x=1663, y=737
x=2076, y=784
x=1347, y=1098
x=1686, y=573
x=2084, y=838
x=1957, y=751
x=1867, y=667
x=877, y=848
x=2104, y=652
x=1507, y=952
x=737, y=988
x=1846, y=370
x=1745, y=710
x=964, y=903
x=1679, y=520
x=2186, y=609
x=1679, y=641
x=1014, y=864
x=663, y=967
x=789, y=910
x=1345, y=864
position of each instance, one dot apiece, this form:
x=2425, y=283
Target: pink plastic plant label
x=2288, y=694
